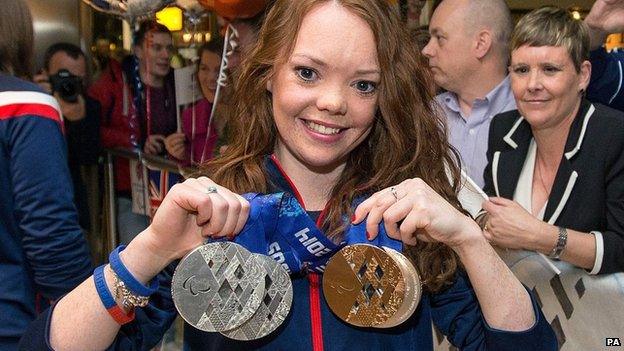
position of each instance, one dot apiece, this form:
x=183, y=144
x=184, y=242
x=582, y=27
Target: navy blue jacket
x=43, y=254
x=606, y=85
x=455, y=311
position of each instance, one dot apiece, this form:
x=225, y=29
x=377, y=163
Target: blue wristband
x=107, y=299
x=102, y=288
x=129, y=280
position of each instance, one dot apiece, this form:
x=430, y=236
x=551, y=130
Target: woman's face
x=208, y=73
x=546, y=84
x=325, y=93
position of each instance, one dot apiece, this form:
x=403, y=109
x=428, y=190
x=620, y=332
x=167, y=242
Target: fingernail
x=353, y=218
x=230, y=237
x=368, y=236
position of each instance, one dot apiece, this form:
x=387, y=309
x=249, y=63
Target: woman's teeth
x=322, y=129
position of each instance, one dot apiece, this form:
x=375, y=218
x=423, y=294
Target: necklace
x=541, y=179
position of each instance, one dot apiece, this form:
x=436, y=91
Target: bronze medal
x=413, y=290
x=363, y=285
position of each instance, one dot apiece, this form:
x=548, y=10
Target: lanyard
x=279, y=227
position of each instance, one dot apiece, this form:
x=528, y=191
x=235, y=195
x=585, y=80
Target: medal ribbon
x=280, y=228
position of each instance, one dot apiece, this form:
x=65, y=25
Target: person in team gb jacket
x=43, y=253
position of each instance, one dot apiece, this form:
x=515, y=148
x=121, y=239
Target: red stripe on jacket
x=314, y=279
x=21, y=110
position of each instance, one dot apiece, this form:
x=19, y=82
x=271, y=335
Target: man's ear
x=483, y=43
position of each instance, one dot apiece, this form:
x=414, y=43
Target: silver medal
x=275, y=305
x=218, y=286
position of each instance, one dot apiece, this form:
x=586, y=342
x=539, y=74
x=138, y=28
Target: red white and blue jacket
x=43, y=253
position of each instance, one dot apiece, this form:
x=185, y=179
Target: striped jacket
x=43, y=253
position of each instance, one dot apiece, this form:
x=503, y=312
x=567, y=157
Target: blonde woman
x=556, y=177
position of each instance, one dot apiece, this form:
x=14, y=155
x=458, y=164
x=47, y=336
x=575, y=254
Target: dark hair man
x=64, y=75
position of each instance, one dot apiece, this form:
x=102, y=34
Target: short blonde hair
x=553, y=26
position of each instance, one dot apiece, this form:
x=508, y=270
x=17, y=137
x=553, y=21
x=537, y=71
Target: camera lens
x=67, y=85
x=69, y=91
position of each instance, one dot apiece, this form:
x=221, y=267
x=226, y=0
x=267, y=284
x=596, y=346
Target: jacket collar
x=507, y=164
x=518, y=132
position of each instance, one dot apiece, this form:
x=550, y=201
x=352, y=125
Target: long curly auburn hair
x=408, y=138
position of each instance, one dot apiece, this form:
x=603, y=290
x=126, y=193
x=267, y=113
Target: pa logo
x=613, y=342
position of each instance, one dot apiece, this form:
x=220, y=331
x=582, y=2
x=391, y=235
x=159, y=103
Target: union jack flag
x=160, y=181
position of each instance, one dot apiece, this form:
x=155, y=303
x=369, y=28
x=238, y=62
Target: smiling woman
x=561, y=160
x=325, y=96
x=200, y=134
x=546, y=84
x=334, y=114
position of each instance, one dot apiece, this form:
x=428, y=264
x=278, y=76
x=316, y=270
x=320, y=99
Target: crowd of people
x=333, y=102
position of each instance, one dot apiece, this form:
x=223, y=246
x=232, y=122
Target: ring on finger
x=210, y=189
x=393, y=191
x=485, y=227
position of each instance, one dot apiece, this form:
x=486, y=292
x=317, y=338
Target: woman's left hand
x=175, y=144
x=509, y=225
x=413, y=211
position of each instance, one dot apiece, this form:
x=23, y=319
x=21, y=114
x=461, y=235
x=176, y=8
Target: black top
x=83, y=149
x=588, y=191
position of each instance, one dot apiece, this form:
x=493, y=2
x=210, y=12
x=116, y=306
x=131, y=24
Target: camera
x=67, y=85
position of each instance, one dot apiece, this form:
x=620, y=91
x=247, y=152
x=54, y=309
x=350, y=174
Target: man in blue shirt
x=468, y=54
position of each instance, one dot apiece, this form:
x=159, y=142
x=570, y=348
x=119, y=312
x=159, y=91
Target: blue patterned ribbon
x=279, y=227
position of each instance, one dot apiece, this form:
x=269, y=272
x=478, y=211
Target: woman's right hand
x=189, y=214
x=509, y=225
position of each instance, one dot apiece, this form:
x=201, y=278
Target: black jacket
x=588, y=192
x=83, y=149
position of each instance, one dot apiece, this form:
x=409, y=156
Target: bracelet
x=107, y=299
x=128, y=280
x=561, y=244
x=129, y=300
x=482, y=220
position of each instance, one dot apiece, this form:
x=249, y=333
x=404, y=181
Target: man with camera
x=64, y=75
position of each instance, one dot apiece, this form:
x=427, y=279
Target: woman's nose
x=534, y=82
x=332, y=99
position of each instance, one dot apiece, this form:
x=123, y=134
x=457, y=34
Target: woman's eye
x=521, y=70
x=551, y=69
x=307, y=74
x=366, y=87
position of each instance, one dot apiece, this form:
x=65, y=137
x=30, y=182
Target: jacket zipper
x=316, y=321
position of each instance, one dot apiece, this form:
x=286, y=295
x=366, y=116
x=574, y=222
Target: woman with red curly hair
x=333, y=108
